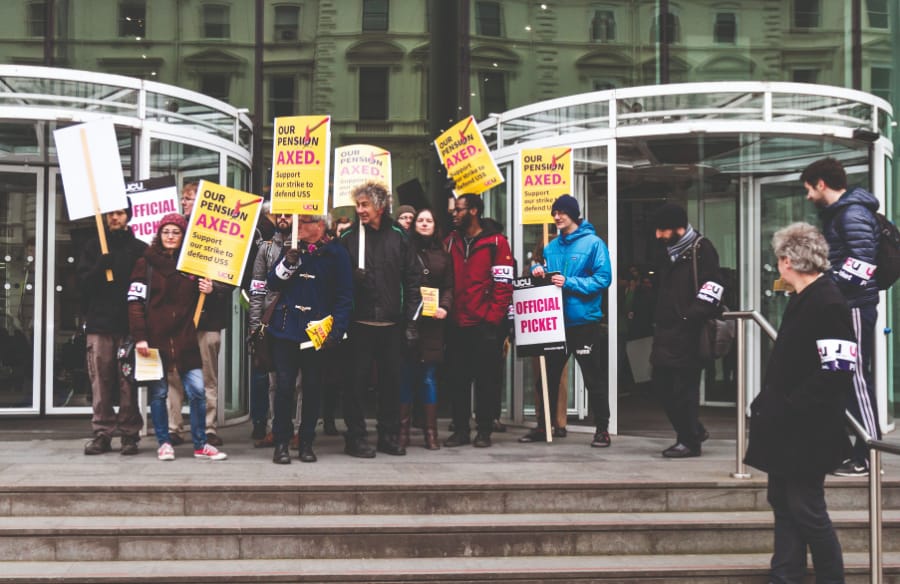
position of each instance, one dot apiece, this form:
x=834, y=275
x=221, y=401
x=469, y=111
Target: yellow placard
x=300, y=157
x=318, y=330
x=467, y=158
x=547, y=173
x=356, y=164
x=219, y=233
x=429, y=301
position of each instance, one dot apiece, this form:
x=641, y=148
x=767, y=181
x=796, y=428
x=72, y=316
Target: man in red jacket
x=483, y=274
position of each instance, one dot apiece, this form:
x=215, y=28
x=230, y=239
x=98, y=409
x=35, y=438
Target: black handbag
x=259, y=343
x=716, y=334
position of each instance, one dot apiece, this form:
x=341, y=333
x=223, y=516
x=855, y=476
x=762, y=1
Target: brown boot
x=431, y=431
x=403, y=438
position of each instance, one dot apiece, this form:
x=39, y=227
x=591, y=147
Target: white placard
x=538, y=310
x=151, y=200
x=90, y=165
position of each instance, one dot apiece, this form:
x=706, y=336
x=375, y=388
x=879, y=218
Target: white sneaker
x=165, y=452
x=210, y=452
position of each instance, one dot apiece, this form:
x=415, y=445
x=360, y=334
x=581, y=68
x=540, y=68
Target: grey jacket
x=260, y=295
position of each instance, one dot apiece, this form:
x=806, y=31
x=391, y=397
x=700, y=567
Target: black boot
x=306, y=452
x=390, y=444
x=259, y=430
x=359, y=447
x=282, y=454
x=330, y=428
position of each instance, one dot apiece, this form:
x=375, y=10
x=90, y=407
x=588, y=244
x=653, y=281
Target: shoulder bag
x=716, y=334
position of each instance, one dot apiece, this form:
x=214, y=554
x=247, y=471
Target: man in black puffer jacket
x=851, y=229
x=681, y=308
x=106, y=324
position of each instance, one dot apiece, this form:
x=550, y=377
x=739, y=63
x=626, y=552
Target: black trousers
x=474, y=353
x=288, y=360
x=679, y=390
x=383, y=345
x=589, y=343
x=801, y=521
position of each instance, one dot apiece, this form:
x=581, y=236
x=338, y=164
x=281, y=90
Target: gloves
x=412, y=336
x=331, y=341
x=105, y=262
x=359, y=276
x=292, y=256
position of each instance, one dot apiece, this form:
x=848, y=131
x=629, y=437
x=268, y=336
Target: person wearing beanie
x=682, y=307
x=405, y=214
x=577, y=261
x=105, y=317
x=161, y=303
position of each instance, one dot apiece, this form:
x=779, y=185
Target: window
x=282, y=96
x=805, y=75
x=375, y=15
x=878, y=13
x=37, y=19
x=287, y=23
x=603, y=26
x=493, y=93
x=806, y=13
x=487, y=19
x=215, y=85
x=373, y=93
x=216, y=22
x=665, y=29
x=132, y=18
x=881, y=82
x=725, y=29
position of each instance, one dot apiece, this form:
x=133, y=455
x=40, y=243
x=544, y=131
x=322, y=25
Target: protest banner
x=219, y=235
x=356, y=164
x=539, y=326
x=547, y=173
x=467, y=158
x=86, y=152
x=151, y=200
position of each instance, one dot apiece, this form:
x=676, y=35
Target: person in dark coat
x=797, y=429
x=164, y=319
x=106, y=325
x=682, y=306
x=437, y=273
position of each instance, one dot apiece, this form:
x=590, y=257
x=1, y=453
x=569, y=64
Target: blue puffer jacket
x=851, y=229
x=321, y=285
x=583, y=259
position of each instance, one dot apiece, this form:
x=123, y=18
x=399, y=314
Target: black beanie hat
x=670, y=216
x=567, y=204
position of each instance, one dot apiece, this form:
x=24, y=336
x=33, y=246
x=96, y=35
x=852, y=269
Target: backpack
x=887, y=258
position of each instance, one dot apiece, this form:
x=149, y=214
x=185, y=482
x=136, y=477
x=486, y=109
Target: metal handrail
x=876, y=447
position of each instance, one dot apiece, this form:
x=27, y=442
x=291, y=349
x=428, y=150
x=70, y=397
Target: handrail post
x=875, y=551
x=740, y=470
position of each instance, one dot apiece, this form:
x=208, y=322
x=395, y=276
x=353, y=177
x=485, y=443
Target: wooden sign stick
x=199, y=310
x=547, y=427
x=294, y=231
x=101, y=231
x=362, y=245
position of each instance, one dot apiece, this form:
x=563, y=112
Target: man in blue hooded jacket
x=579, y=263
x=851, y=229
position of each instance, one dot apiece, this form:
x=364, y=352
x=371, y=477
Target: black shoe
x=306, y=453
x=390, y=445
x=359, y=447
x=330, y=429
x=560, y=432
x=259, y=430
x=457, y=439
x=176, y=439
x=282, y=454
x=129, y=445
x=601, y=439
x=534, y=435
x=679, y=450
x=98, y=445
x=482, y=440
x=704, y=434
x=851, y=468
x=499, y=426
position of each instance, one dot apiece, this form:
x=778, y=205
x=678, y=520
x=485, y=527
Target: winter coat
x=263, y=232
x=583, y=259
x=682, y=307
x=166, y=319
x=437, y=272
x=104, y=307
x=216, y=308
x=797, y=421
x=388, y=290
x=851, y=229
x=261, y=297
x=320, y=285
x=483, y=273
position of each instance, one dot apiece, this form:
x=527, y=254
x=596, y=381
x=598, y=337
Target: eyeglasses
x=170, y=233
x=459, y=209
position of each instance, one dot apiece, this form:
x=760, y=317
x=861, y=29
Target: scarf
x=687, y=240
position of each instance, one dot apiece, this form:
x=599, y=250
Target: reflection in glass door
x=20, y=281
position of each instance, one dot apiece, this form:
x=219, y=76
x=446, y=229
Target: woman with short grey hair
x=804, y=245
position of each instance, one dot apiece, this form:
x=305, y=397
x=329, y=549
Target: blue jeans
x=421, y=374
x=193, y=387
